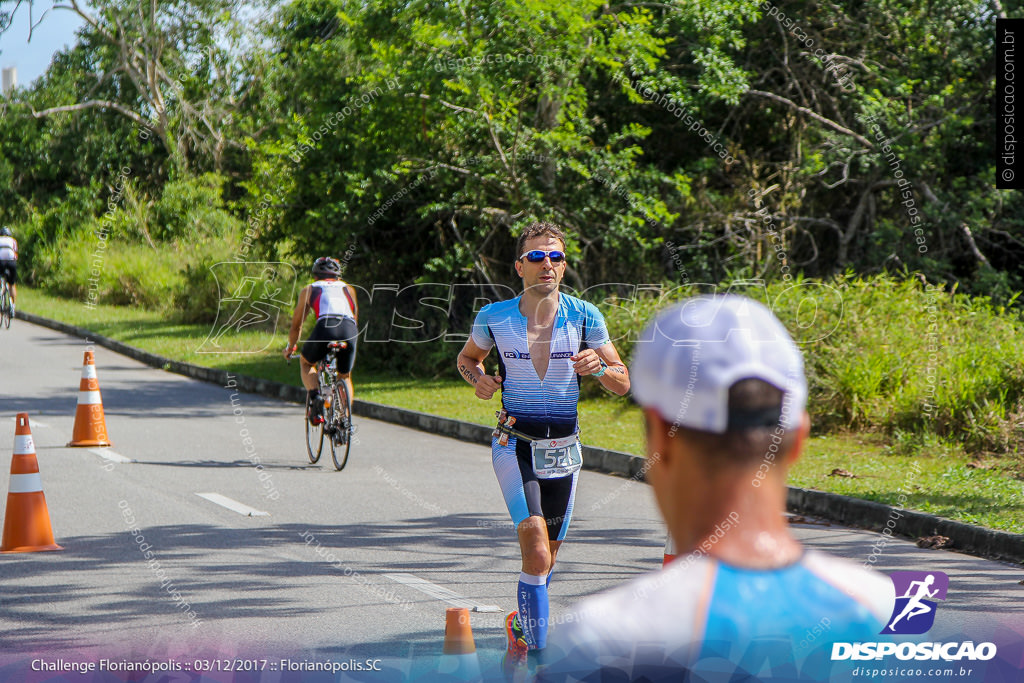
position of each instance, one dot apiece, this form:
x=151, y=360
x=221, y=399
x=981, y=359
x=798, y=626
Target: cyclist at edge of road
x=9, y=262
x=546, y=342
x=333, y=302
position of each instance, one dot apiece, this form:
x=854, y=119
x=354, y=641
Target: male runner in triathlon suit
x=333, y=303
x=9, y=261
x=545, y=341
x=723, y=392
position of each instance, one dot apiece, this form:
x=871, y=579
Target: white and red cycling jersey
x=331, y=298
x=8, y=249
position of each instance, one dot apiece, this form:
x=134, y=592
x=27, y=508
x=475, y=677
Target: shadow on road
x=297, y=571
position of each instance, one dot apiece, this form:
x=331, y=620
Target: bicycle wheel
x=341, y=425
x=314, y=437
x=5, y=304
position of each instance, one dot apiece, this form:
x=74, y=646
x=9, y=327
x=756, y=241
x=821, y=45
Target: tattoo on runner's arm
x=617, y=368
x=467, y=373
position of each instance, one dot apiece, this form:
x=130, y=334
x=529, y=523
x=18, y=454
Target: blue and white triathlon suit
x=543, y=408
x=701, y=619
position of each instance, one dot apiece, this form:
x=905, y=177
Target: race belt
x=552, y=458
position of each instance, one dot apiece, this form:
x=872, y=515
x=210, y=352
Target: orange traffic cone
x=459, y=660
x=670, y=550
x=90, y=425
x=27, y=526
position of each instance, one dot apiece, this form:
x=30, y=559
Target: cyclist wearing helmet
x=9, y=261
x=333, y=302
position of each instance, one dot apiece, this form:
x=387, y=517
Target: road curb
x=865, y=514
x=874, y=516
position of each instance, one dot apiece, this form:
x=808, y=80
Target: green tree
x=869, y=133
x=468, y=121
x=168, y=67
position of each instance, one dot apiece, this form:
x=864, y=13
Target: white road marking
x=110, y=455
x=233, y=505
x=440, y=592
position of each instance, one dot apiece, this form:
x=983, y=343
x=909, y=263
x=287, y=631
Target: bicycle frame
x=338, y=426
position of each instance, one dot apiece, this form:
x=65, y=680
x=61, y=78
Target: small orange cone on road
x=459, y=658
x=27, y=527
x=90, y=425
x=670, y=550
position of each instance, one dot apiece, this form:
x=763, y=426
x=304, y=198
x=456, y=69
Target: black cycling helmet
x=325, y=266
x=5, y=232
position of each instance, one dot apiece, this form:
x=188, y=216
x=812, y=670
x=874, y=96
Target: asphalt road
x=353, y=564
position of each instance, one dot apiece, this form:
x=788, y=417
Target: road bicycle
x=6, y=303
x=336, y=427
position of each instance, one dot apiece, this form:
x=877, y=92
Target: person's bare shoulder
x=870, y=588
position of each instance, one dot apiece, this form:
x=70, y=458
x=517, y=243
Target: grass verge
x=932, y=475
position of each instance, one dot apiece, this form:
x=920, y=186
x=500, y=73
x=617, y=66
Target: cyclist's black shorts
x=9, y=270
x=328, y=329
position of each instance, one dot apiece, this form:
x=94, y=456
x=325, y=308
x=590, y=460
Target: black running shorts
x=328, y=329
x=9, y=269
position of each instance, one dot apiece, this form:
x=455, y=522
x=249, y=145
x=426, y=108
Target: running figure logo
x=916, y=595
x=256, y=297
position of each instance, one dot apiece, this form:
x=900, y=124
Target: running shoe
x=316, y=411
x=515, y=655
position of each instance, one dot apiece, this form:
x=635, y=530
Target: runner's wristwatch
x=604, y=366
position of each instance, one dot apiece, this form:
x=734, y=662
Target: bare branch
x=497, y=146
x=33, y=25
x=846, y=237
x=11, y=15
x=455, y=107
x=973, y=245
x=88, y=18
x=1003, y=233
x=816, y=116
x=814, y=249
x=92, y=104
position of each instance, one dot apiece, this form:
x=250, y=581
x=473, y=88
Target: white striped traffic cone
x=90, y=424
x=459, y=661
x=27, y=527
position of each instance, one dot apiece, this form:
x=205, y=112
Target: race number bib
x=554, y=458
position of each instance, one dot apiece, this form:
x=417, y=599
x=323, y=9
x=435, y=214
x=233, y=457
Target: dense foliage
x=896, y=356
x=677, y=142
x=681, y=140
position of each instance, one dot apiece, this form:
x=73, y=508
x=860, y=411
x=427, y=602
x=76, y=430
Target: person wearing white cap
x=723, y=392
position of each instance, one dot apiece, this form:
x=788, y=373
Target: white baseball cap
x=693, y=352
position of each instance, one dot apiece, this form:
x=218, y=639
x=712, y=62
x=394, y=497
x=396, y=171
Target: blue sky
x=32, y=58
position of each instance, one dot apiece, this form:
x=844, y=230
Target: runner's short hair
x=743, y=447
x=538, y=229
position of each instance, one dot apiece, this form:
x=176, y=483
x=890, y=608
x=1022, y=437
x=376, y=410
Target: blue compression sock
x=547, y=583
x=533, y=609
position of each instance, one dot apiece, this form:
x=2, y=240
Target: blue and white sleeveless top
x=712, y=621
x=538, y=403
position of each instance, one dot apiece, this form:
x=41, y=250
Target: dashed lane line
x=440, y=592
x=110, y=455
x=233, y=505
